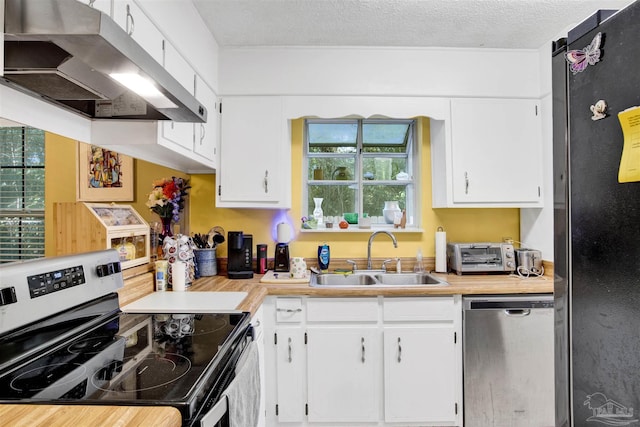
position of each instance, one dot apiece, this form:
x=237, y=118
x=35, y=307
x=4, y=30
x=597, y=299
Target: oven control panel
x=53, y=281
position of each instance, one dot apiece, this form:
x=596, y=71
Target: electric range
x=63, y=340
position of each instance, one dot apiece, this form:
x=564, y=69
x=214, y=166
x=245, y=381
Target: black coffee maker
x=240, y=262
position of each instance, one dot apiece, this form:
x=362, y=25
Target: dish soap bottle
x=323, y=257
x=419, y=267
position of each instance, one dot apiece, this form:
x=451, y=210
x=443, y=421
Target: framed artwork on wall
x=103, y=175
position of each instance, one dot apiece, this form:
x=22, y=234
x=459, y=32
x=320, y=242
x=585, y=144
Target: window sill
x=353, y=228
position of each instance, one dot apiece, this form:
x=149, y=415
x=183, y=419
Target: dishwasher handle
x=517, y=312
x=509, y=305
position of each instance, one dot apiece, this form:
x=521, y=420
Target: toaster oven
x=481, y=258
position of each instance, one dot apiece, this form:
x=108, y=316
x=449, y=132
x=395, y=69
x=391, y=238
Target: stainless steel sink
x=375, y=279
x=330, y=279
x=404, y=279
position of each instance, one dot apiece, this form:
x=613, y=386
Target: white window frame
x=413, y=154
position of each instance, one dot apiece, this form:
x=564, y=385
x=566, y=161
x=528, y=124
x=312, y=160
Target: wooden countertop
x=463, y=285
x=63, y=415
x=85, y=415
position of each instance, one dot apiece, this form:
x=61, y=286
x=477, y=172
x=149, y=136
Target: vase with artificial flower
x=167, y=201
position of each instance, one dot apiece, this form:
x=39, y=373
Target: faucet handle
x=384, y=264
x=353, y=265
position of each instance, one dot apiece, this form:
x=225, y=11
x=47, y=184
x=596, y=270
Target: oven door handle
x=215, y=414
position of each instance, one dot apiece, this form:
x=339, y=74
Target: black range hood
x=69, y=53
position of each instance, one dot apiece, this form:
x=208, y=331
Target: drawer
x=414, y=309
x=289, y=310
x=342, y=309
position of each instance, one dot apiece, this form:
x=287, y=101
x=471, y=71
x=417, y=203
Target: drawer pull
x=289, y=310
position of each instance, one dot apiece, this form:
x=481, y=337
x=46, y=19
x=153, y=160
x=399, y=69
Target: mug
x=298, y=268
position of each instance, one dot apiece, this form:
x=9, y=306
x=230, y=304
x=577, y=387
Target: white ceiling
x=511, y=24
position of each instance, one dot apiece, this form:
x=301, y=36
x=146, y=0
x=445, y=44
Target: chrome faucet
x=393, y=238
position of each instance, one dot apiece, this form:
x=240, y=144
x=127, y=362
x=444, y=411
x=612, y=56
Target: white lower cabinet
x=343, y=365
x=364, y=361
x=419, y=373
x=290, y=368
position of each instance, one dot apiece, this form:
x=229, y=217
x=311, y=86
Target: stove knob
x=8, y=296
x=108, y=269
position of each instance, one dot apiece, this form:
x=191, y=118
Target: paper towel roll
x=284, y=233
x=441, y=251
x=178, y=275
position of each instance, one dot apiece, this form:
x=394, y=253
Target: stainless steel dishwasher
x=508, y=361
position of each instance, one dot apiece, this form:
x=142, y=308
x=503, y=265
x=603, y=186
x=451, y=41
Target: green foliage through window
x=21, y=193
x=356, y=165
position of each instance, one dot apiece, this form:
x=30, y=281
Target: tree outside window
x=357, y=165
x=21, y=193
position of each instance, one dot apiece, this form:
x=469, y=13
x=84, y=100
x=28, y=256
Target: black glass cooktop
x=130, y=358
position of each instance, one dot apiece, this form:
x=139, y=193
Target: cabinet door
x=290, y=365
x=254, y=156
x=420, y=374
x=133, y=20
x=496, y=151
x=178, y=133
x=343, y=374
x=178, y=67
x=206, y=143
x=101, y=5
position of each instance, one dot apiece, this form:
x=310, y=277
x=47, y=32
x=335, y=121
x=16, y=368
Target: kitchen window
x=359, y=166
x=21, y=193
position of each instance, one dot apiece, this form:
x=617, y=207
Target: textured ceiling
x=526, y=24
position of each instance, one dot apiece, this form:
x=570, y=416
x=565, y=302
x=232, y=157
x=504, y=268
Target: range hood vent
x=68, y=53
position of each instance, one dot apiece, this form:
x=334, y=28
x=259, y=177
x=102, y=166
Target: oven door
x=237, y=402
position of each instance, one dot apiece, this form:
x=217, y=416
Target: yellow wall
x=61, y=177
x=202, y=215
x=460, y=224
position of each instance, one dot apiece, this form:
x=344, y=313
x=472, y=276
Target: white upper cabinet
x=102, y=5
x=207, y=134
x=255, y=154
x=489, y=155
x=178, y=67
x=132, y=19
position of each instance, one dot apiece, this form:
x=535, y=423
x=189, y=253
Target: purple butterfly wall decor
x=579, y=59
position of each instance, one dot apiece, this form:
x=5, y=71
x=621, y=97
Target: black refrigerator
x=596, y=76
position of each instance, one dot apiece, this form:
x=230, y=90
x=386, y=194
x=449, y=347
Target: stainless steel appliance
x=508, y=361
x=481, y=257
x=240, y=255
x=596, y=224
x=63, y=340
x=70, y=54
x=529, y=262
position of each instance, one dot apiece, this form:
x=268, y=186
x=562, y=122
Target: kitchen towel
x=243, y=394
x=441, y=250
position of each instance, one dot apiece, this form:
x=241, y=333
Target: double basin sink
x=375, y=279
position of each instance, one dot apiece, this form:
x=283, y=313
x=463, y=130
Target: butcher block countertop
x=463, y=285
x=95, y=416
x=76, y=415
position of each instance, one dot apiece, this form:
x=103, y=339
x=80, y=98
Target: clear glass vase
x=317, y=211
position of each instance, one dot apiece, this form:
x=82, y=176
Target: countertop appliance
x=481, y=257
x=596, y=223
x=63, y=340
x=529, y=262
x=240, y=256
x=508, y=361
x=69, y=53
